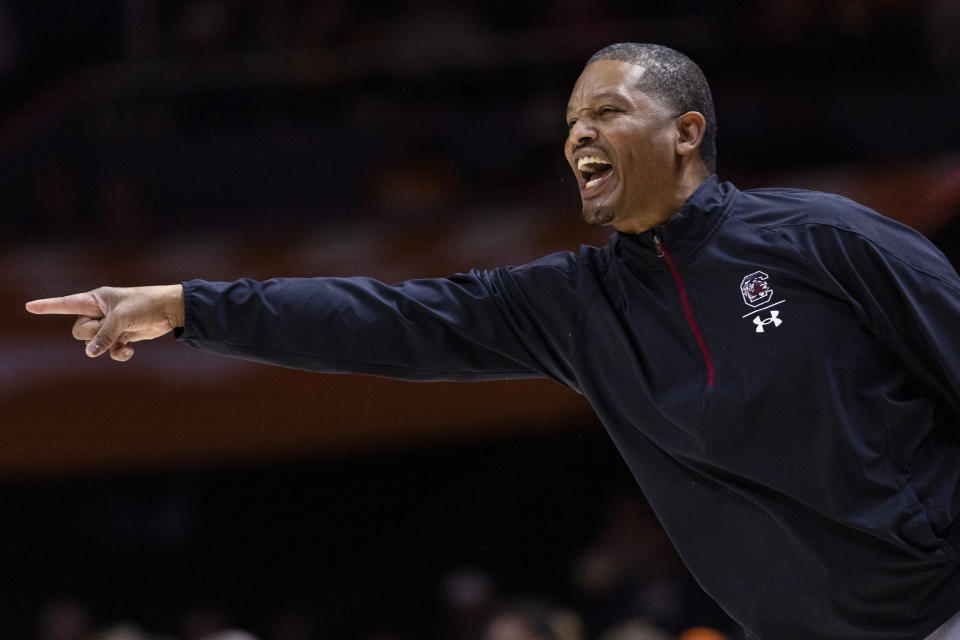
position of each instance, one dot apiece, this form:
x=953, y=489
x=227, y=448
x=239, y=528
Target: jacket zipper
x=663, y=252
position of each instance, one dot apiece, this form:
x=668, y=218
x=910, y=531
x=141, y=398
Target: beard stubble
x=598, y=216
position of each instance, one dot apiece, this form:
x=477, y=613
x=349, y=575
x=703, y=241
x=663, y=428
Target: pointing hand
x=110, y=318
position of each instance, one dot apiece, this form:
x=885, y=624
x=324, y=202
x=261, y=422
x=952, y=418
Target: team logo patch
x=757, y=294
x=755, y=289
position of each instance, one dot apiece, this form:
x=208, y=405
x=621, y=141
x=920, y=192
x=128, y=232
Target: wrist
x=173, y=305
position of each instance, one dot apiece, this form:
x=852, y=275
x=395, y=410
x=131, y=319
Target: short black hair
x=674, y=78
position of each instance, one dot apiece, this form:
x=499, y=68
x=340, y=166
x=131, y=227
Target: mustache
x=590, y=146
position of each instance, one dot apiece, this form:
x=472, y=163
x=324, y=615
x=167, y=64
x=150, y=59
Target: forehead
x=607, y=78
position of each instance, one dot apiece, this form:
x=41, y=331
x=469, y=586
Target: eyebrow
x=606, y=95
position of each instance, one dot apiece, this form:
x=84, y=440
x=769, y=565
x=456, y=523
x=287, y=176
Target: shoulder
x=782, y=207
x=823, y=224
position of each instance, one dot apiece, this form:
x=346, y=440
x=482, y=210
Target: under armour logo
x=761, y=323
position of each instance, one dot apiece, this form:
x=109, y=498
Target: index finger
x=76, y=304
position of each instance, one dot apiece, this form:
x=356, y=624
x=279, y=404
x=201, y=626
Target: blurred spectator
x=636, y=630
x=202, y=622
x=466, y=595
x=533, y=621
x=631, y=570
x=229, y=634
x=701, y=633
x=64, y=619
x=295, y=624
x=123, y=631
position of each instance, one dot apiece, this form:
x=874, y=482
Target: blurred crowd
x=627, y=584
x=149, y=119
x=527, y=620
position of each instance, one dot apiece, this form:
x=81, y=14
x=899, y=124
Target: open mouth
x=593, y=170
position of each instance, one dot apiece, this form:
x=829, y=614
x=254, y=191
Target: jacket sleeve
x=498, y=324
x=904, y=290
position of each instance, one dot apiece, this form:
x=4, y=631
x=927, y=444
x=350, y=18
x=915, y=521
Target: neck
x=667, y=206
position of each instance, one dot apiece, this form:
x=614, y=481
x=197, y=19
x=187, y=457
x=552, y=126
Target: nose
x=582, y=132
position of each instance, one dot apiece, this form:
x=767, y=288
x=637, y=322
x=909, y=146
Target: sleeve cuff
x=188, y=330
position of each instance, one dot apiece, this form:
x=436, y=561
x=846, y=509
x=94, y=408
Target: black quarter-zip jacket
x=779, y=368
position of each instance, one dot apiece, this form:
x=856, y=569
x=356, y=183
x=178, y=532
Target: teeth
x=592, y=183
x=590, y=160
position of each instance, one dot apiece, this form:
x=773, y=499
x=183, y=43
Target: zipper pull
x=658, y=244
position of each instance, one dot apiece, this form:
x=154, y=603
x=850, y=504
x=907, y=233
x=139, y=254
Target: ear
x=690, y=129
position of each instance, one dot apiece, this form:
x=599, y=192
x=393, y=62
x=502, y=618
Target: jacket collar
x=684, y=234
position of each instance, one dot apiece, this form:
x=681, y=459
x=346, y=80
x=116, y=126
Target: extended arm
x=468, y=327
x=506, y=323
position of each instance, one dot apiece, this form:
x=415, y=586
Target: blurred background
x=149, y=141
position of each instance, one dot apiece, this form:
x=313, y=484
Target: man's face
x=621, y=147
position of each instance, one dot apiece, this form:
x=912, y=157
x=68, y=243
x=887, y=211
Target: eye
x=571, y=122
x=609, y=111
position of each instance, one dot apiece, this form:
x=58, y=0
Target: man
x=777, y=367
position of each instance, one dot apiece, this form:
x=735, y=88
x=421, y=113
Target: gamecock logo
x=755, y=289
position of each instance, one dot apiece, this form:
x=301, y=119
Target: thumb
x=107, y=335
